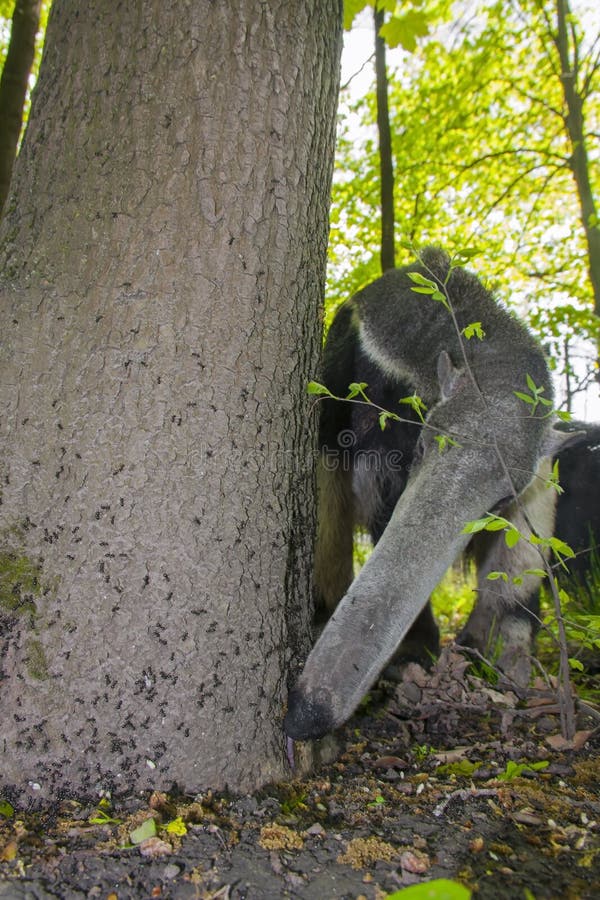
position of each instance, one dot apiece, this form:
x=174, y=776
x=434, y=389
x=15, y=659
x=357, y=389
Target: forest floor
x=440, y=777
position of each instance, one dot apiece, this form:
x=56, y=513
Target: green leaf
x=319, y=390
x=7, y=810
x=533, y=386
x=525, y=397
x=351, y=9
x=497, y=523
x=444, y=442
x=357, y=389
x=576, y=664
x=103, y=815
x=146, y=830
x=408, y=245
x=427, y=286
x=474, y=330
x=430, y=291
x=512, y=537
x=439, y=889
x=494, y=576
x=384, y=416
x=417, y=278
x=463, y=256
x=514, y=769
x=476, y=525
x=404, y=30
x=100, y=817
x=553, y=479
x=415, y=402
x=560, y=547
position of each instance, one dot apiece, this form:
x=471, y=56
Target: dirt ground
x=442, y=776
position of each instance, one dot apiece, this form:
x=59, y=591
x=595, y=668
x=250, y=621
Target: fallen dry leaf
x=558, y=742
x=389, y=762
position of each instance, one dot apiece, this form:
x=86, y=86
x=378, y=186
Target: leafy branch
x=439, y=292
x=356, y=394
x=560, y=551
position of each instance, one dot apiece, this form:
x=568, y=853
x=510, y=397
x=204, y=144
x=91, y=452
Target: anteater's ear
x=448, y=375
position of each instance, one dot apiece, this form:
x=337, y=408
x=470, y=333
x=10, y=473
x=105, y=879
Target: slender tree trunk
x=163, y=270
x=13, y=85
x=568, y=377
x=388, y=253
x=579, y=162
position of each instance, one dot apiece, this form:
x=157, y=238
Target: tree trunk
x=386, y=163
x=13, y=85
x=163, y=270
x=579, y=162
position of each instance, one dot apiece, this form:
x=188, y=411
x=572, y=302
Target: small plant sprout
x=416, y=404
x=515, y=770
x=474, y=329
x=462, y=257
x=315, y=389
x=356, y=389
x=428, y=286
x=535, y=399
x=553, y=480
x=103, y=814
x=385, y=417
x=444, y=442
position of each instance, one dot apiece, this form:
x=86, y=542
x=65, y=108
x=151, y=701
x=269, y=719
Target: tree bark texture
x=163, y=270
x=13, y=85
x=386, y=159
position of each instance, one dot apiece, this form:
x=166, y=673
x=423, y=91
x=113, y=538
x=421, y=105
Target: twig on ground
x=464, y=794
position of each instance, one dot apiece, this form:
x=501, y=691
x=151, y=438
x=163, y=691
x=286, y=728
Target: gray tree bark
x=163, y=266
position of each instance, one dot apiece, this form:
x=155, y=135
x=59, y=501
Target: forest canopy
x=485, y=100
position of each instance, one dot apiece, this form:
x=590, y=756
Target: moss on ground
x=20, y=584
